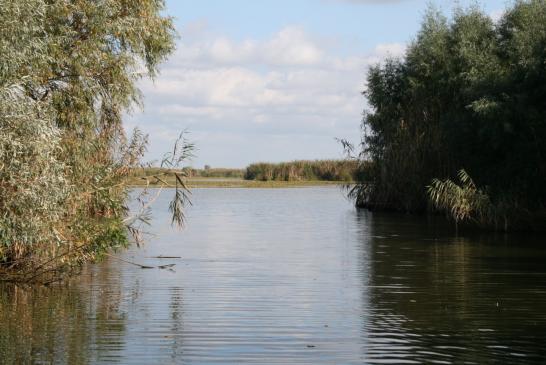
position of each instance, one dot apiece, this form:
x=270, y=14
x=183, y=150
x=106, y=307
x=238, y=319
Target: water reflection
x=76, y=323
x=473, y=299
x=291, y=276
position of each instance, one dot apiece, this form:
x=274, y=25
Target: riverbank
x=236, y=183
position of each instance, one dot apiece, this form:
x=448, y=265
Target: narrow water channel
x=290, y=276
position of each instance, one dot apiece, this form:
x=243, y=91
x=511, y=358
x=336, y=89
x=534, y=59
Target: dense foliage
x=329, y=170
x=469, y=94
x=67, y=75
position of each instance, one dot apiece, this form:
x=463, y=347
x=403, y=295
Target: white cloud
x=289, y=85
x=289, y=47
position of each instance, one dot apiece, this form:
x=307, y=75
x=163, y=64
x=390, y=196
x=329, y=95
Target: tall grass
x=218, y=173
x=465, y=203
x=325, y=170
x=318, y=170
x=462, y=202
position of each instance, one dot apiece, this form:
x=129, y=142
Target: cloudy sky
x=273, y=80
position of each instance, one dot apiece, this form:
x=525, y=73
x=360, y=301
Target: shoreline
x=246, y=184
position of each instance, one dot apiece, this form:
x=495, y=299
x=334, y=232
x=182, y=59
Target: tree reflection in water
x=438, y=297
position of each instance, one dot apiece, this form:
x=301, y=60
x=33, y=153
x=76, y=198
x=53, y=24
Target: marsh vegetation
x=283, y=174
x=318, y=170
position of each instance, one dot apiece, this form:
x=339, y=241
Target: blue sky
x=273, y=80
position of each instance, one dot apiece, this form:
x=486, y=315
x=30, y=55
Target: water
x=291, y=276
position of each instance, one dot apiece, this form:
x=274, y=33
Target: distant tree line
x=328, y=170
x=316, y=170
x=459, y=123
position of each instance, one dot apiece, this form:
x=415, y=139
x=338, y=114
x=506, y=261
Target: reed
x=320, y=170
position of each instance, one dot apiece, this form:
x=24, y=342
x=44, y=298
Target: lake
x=290, y=276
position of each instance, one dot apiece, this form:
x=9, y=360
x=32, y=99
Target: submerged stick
x=139, y=265
x=130, y=262
x=164, y=257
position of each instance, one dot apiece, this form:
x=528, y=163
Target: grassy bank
x=204, y=182
x=294, y=171
x=257, y=175
x=191, y=172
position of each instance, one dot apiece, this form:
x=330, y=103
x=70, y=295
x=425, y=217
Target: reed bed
x=318, y=170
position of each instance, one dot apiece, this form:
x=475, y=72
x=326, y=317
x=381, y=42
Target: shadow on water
x=62, y=324
x=473, y=298
x=291, y=276
x=85, y=320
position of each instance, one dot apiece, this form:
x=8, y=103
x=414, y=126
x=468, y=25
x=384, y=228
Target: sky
x=273, y=80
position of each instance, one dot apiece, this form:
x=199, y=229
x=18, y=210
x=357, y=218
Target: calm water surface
x=290, y=276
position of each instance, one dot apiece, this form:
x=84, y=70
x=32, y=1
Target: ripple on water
x=290, y=276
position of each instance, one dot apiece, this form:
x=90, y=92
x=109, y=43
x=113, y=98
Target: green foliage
x=468, y=94
x=33, y=188
x=328, y=170
x=67, y=75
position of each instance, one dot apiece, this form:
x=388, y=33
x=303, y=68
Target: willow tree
x=469, y=94
x=68, y=74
